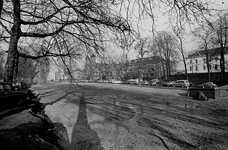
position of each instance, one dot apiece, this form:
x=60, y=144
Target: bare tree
x=179, y=33
x=188, y=11
x=83, y=21
x=221, y=32
x=205, y=33
x=165, y=47
x=142, y=48
x=219, y=38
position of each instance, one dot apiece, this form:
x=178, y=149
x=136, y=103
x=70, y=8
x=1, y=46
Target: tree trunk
x=167, y=68
x=15, y=35
x=1, y=5
x=10, y=63
x=185, y=68
x=164, y=71
x=140, y=71
x=222, y=66
x=222, y=60
x=208, y=64
x=183, y=57
x=15, y=75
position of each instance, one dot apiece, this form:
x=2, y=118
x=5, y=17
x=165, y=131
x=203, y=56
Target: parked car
x=153, y=82
x=10, y=98
x=207, y=85
x=162, y=83
x=16, y=86
x=132, y=81
x=145, y=82
x=125, y=82
x=181, y=83
x=116, y=81
x=170, y=83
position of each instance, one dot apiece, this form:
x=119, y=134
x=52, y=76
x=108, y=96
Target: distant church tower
x=90, y=64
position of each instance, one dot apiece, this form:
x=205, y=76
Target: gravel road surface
x=115, y=117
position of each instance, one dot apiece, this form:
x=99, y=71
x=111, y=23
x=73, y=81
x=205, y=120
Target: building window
x=204, y=67
x=216, y=67
x=190, y=61
x=196, y=68
x=190, y=68
x=204, y=60
x=196, y=60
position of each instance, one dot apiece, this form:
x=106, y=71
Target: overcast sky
x=162, y=24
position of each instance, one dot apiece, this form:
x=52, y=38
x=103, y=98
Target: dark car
x=10, y=98
x=207, y=85
x=162, y=83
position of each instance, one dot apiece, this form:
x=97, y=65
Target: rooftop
x=212, y=52
x=152, y=59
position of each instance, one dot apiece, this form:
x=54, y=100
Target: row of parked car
x=178, y=83
x=14, y=96
x=157, y=82
x=186, y=83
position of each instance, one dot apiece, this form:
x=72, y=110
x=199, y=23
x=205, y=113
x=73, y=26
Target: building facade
x=196, y=62
x=90, y=70
x=149, y=68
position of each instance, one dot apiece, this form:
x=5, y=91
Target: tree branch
x=47, y=54
x=1, y=5
x=40, y=35
x=115, y=23
x=43, y=19
x=5, y=27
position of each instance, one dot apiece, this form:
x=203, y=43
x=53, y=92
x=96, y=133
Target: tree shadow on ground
x=13, y=111
x=28, y=136
x=83, y=137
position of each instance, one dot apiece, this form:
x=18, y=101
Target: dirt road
x=115, y=117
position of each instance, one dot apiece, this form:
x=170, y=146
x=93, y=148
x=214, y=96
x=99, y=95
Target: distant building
x=60, y=75
x=52, y=72
x=196, y=61
x=78, y=74
x=42, y=70
x=90, y=68
x=150, y=68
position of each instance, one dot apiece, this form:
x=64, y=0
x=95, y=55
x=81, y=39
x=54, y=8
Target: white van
x=181, y=83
